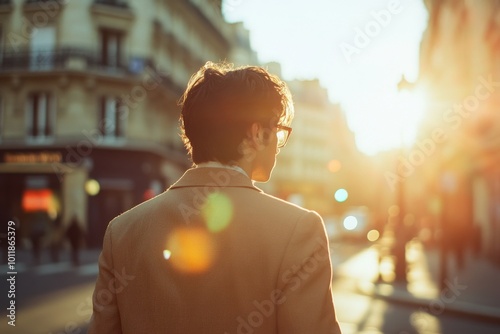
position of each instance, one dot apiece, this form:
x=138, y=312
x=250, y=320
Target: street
x=56, y=299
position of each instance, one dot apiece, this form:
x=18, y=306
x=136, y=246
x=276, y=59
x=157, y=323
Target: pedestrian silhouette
x=38, y=230
x=74, y=234
x=55, y=239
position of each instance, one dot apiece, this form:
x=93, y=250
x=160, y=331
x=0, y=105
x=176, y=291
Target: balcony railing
x=74, y=59
x=68, y=59
x=35, y=1
x=115, y=3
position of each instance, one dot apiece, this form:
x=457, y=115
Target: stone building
x=88, y=102
x=321, y=155
x=459, y=177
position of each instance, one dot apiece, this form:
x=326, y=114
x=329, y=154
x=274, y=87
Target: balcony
x=115, y=14
x=72, y=59
x=86, y=61
x=49, y=7
x=212, y=17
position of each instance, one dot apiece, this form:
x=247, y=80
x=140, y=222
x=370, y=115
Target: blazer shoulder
x=281, y=204
x=136, y=214
x=289, y=215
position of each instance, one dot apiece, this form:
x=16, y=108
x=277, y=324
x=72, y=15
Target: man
x=214, y=254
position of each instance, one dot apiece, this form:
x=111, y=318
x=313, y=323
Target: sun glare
x=311, y=39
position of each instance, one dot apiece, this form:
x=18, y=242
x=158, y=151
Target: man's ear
x=252, y=143
x=256, y=135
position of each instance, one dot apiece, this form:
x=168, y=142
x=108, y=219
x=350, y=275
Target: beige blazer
x=214, y=254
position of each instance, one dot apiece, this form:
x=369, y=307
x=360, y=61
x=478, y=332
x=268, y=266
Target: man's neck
x=216, y=164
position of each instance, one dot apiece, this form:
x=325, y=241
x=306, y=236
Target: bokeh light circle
x=373, y=235
x=350, y=223
x=92, y=187
x=341, y=195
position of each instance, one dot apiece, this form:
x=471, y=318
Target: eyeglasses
x=283, y=134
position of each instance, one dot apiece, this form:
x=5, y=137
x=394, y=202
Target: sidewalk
x=24, y=260
x=470, y=292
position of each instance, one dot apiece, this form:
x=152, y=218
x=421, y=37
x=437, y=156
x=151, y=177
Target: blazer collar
x=214, y=177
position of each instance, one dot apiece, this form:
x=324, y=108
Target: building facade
x=320, y=157
x=88, y=103
x=459, y=179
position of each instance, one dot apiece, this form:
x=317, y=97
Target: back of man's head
x=220, y=104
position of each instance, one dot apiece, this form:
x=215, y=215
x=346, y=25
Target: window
x=111, y=46
x=112, y=117
x=1, y=117
x=1, y=43
x=40, y=115
x=42, y=48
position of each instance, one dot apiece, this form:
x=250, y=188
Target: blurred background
x=395, y=143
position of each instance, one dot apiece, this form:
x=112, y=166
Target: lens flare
x=167, y=254
x=217, y=211
x=190, y=250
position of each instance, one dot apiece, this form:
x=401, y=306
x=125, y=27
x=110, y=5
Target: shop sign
x=32, y=157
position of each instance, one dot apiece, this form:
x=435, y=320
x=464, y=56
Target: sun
x=391, y=123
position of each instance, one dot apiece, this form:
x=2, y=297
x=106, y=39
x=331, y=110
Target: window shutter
x=118, y=118
x=35, y=109
x=102, y=115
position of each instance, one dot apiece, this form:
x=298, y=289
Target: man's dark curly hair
x=220, y=104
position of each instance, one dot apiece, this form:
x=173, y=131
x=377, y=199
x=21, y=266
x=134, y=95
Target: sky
x=358, y=49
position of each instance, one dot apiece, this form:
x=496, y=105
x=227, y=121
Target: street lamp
x=399, y=250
